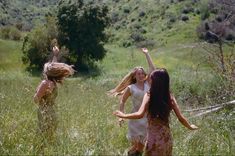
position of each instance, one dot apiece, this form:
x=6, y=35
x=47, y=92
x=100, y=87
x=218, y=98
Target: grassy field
x=86, y=123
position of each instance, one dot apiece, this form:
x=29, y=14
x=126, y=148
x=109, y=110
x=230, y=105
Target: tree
x=220, y=31
x=37, y=45
x=82, y=30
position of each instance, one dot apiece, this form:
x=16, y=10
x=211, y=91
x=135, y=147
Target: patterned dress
x=137, y=128
x=159, y=139
x=46, y=113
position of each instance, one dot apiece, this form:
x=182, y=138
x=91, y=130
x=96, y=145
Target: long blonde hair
x=126, y=81
x=57, y=71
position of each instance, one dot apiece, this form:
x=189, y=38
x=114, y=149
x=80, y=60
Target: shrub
x=137, y=37
x=126, y=44
x=146, y=43
x=37, y=45
x=114, y=17
x=10, y=32
x=184, y=18
x=142, y=14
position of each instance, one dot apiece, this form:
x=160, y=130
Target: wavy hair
x=126, y=81
x=57, y=71
x=159, y=102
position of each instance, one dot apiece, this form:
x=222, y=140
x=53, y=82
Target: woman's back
x=51, y=93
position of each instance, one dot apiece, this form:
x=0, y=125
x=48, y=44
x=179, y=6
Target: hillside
x=133, y=21
x=25, y=13
x=155, y=22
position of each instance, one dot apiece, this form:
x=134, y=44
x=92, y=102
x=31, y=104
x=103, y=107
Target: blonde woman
x=46, y=94
x=135, y=85
x=158, y=104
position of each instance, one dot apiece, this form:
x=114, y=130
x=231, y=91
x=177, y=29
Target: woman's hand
x=193, y=127
x=55, y=51
x=120, y=121
x=145, y=50
x=119, y=113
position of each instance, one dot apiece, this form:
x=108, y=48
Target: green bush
x=82, y=30
x=11, y=33
x=37, y=45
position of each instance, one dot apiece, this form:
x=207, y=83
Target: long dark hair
x=159, y=103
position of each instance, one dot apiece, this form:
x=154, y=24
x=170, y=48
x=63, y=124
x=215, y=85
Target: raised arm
x=55, y=51
x=180, y=116
x=136, y=115
x=149, y=60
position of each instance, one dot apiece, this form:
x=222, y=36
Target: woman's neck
x=140, y=83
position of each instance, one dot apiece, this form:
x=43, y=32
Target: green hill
x=145, y=22
x=24, y=12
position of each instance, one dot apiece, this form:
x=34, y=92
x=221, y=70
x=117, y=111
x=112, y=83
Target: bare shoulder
x=46, y=84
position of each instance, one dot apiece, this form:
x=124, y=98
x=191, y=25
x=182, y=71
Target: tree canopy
x=82, y=30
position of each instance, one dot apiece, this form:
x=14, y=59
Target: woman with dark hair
x=158, y=103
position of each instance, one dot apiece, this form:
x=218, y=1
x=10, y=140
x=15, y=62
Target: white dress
x=137, y=128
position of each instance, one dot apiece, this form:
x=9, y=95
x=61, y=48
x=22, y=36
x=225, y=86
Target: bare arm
x=44, y=87
x=180, y=116
x=125, y=96
x=150, y=63
x=55, y=51
x=136, y=115
x=149, y=60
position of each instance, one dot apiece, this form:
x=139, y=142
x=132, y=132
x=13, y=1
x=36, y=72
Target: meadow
x=86, y=123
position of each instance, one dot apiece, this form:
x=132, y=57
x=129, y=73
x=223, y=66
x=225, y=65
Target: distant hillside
x=150, y=22
x=24, y=12
x=141, y=22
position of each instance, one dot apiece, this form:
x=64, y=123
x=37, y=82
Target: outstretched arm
x=180, y=116
x=136, y=115
x=123, y=100
x=125, y=96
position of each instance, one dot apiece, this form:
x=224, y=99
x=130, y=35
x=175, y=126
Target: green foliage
x=37, y=45
x=82, y=31
x=204, y=9
x=10, y=32
x=25, y=12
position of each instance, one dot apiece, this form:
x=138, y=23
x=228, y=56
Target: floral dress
x=137, y=128
x=159, y=139
x=47, y=120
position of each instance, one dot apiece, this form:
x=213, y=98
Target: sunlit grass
x=86, y=124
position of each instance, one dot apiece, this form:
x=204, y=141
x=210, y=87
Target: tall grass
x=86, y=124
